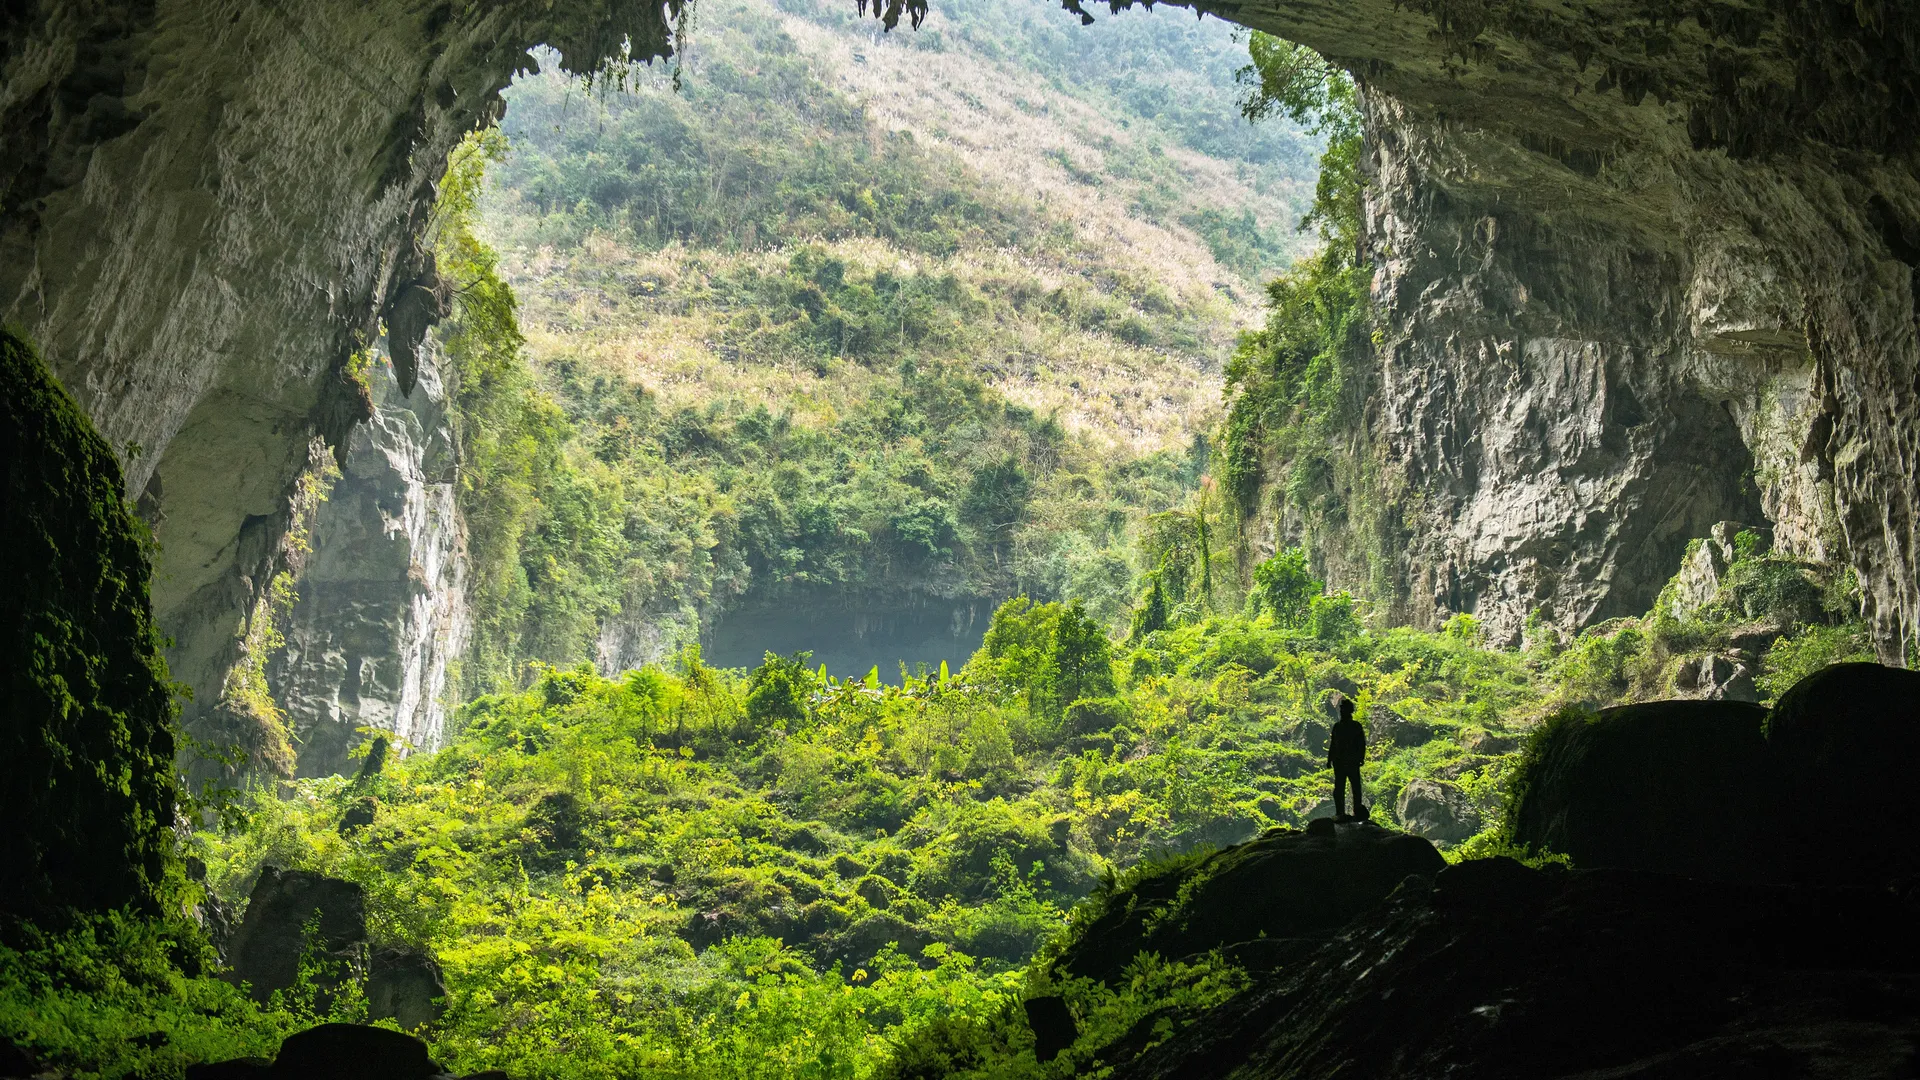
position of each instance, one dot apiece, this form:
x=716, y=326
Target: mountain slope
x=747, y=288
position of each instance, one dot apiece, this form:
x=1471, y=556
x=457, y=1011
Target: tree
x=1053, y=654
x=1082, y=658
x=1283, y=587
x=777, y=691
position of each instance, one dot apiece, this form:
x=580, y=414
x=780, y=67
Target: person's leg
x=1339, y=792
x=1355, y=777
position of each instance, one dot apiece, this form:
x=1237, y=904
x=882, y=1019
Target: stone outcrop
x=1703, y=570
x=296, y=914
x=405, y=987
x=1638, y=268
x=382, y=602
x=1436, y=810
x=1286, y=887
x=297, y=918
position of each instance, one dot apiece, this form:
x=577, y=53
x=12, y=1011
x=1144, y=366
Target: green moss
x=88, y=791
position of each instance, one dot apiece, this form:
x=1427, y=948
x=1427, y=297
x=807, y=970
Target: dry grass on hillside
x=1026, y=137
x=655, y=318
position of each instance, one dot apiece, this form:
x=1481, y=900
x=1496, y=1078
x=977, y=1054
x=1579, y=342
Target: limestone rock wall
x=206, y=206
x=1639, y=267
x=382, y=597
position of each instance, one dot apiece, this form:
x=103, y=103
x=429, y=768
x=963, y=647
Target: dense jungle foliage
x=684, y=871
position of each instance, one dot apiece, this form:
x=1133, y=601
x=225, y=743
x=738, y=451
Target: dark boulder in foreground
x=1499, y=971
x=1811, y=793
x=338, y=1052
x=287, y=906
x=1664, y=785
x=1287, y=886
x=1844, y=745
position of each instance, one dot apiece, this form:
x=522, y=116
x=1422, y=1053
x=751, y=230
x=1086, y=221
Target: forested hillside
x=875, y=325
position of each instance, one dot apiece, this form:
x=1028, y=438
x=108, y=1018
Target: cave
x=1638, y=268
x=1710, y=205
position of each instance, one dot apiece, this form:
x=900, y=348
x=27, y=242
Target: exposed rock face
x=206, y=209
x=1700, y=575
x=382, y=605
x=1625, y=252
x=1623, y=248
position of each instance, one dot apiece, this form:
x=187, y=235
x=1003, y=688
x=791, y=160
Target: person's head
x=1346, y=707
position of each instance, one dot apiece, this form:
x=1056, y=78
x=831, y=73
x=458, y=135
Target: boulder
x=1387, y=728
x=1665, y=785
x=1716, y=677
x=405, y=987
x=266, y=950
x=1811, y=793
x=1286, y=884
x=1053, y=1027
x=1437, y=810
x=337, y=1051
x=1844, y=745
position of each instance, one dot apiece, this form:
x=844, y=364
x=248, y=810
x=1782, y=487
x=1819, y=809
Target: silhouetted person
x=1346, y=749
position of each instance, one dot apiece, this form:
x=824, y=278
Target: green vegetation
x=1299, y=383
x=723, y=353
x=1775, y=617
x=699, y=871
x=88, y=791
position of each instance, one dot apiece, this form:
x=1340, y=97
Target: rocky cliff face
x=205, y=209
x=1638, y=267
x=382, y=604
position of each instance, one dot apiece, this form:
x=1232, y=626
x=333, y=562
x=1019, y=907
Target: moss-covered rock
x=87, y=794
x=1286, y=885
x=1812, y=793
x=1662, y=785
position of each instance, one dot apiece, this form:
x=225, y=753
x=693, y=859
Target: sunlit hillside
x=818, y=213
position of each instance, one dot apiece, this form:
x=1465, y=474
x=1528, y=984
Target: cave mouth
x=852, y=634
